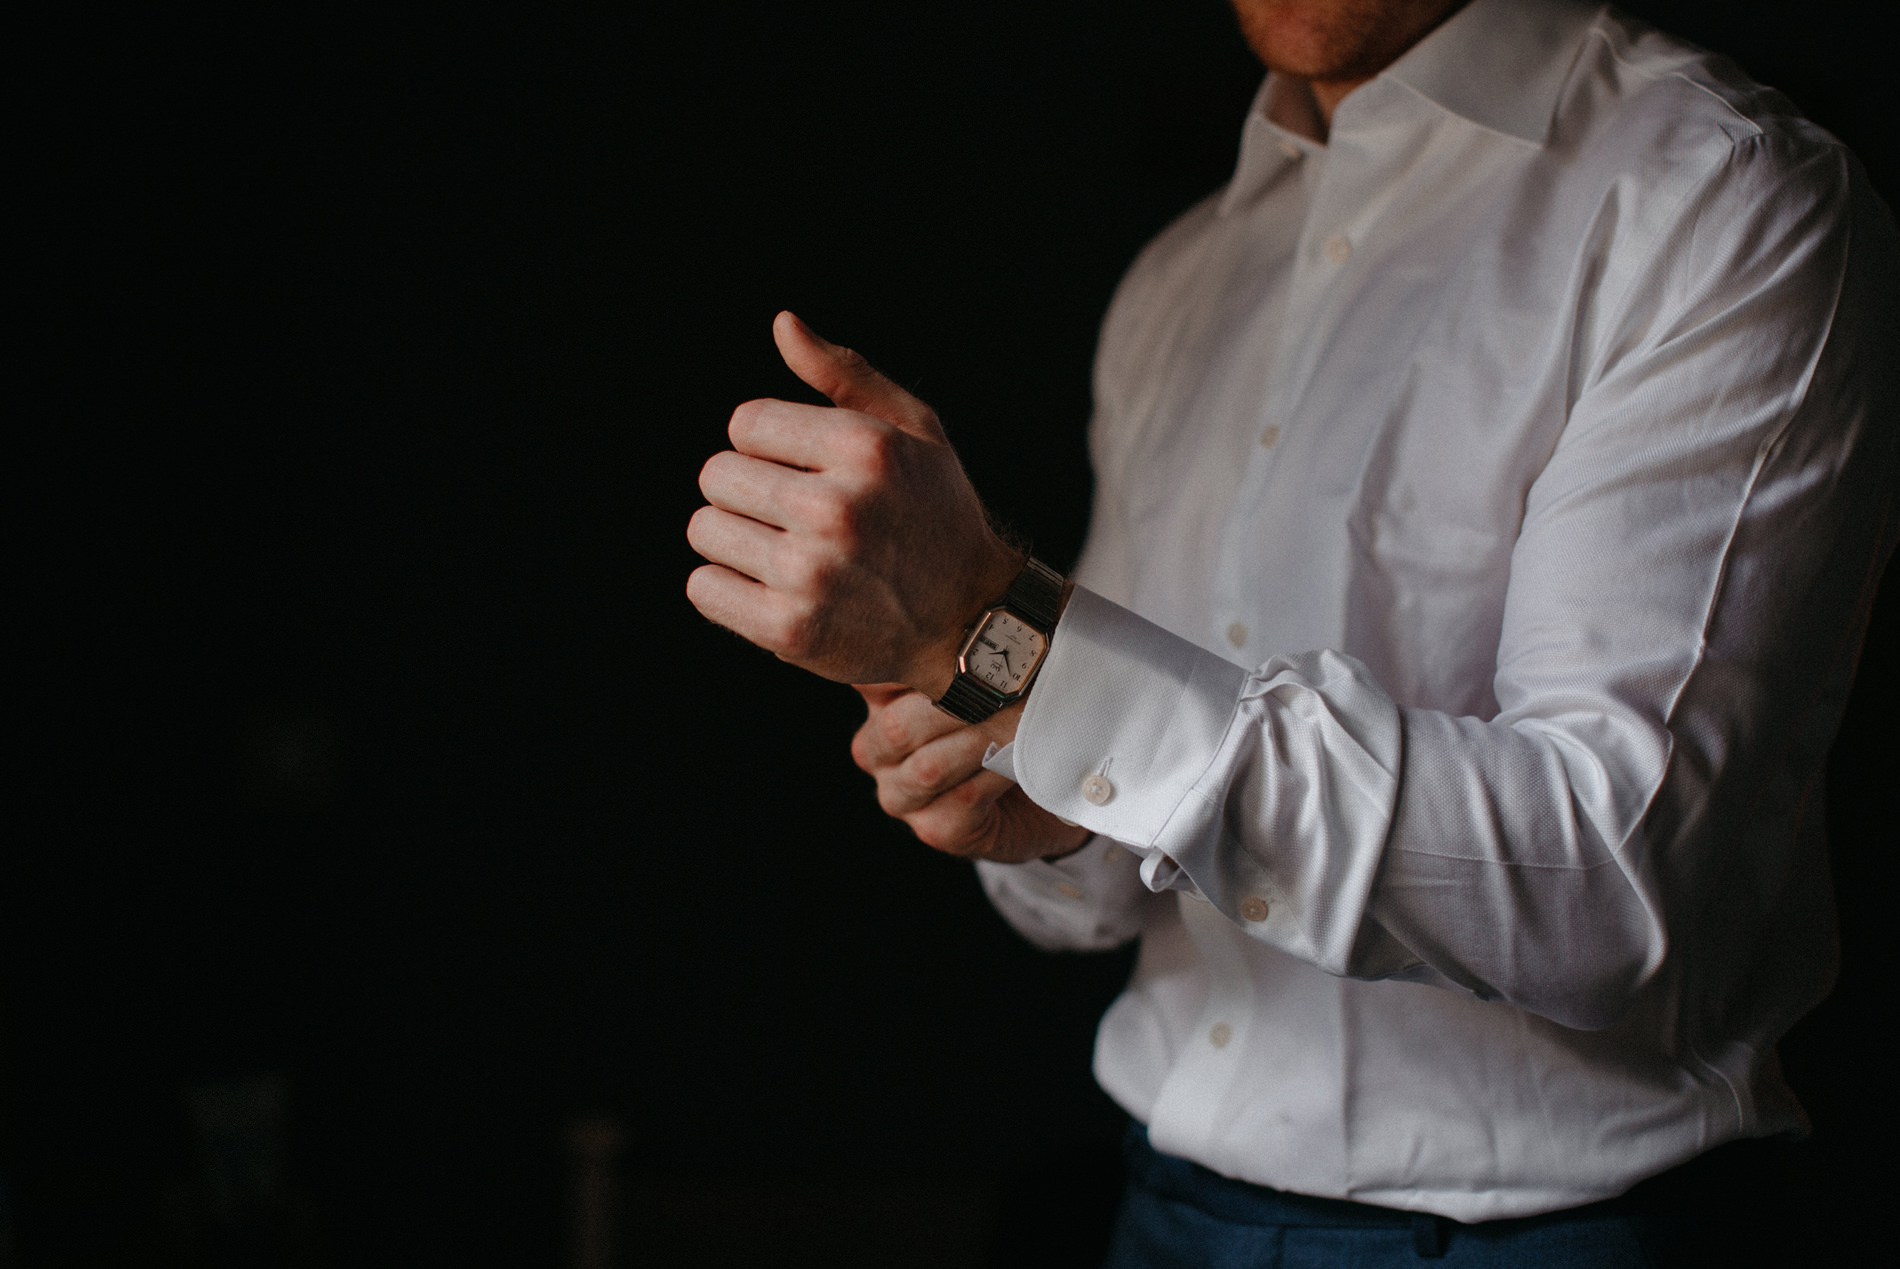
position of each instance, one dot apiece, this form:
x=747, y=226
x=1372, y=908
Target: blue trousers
x=1179, y=1215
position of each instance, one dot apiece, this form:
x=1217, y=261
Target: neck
x=1327, y=94
x=1322, y=61
x=1296, y=105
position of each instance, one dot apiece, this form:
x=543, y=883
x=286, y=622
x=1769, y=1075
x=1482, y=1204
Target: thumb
x=851, y=381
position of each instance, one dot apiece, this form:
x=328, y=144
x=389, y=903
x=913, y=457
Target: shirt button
x=1068, y=891
x=1289, y=149
x=1338, y=248
x=1270, y=437
x=1254, y=908
x=1219, y=1035
x=1098, y=790
x=1237, y=634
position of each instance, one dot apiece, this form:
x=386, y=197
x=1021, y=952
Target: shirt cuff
x=1124, y=721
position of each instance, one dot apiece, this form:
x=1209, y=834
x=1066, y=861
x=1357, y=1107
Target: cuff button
x=1097, y=790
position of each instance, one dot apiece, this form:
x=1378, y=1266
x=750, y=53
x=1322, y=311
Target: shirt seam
x=1656, y=76
x=1743, y=1105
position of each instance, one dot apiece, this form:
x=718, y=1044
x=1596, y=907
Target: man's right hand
x=929, y=772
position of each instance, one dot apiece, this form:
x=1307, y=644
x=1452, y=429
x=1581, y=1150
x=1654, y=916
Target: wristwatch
x=1006, y=646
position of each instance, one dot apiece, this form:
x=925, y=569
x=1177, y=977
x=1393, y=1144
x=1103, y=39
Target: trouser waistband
x=1727, y=1175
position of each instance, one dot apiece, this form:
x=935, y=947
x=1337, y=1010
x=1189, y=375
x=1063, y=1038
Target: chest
x=1337, y=398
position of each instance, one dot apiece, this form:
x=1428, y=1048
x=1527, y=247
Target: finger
x=788, y=433
x=966, y=820
x=749, y=487
x=748, y=608
x=849, y=380
x=981, y=789
x=867, y=748
x=892, y=733
x=934, y=770
x=738, y=542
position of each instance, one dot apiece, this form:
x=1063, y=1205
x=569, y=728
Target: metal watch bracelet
x=1035, y=596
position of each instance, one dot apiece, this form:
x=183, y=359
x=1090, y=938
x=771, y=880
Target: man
x=1492, y=481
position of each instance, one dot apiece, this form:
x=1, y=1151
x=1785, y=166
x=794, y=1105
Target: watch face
x=1004, y=652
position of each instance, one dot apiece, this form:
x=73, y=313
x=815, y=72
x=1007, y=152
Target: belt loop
x=1428, y=1235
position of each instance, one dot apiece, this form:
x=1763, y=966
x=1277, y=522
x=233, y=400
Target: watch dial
x=1005, y=652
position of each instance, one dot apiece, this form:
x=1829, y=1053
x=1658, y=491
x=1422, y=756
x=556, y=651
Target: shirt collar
x=1499, y=63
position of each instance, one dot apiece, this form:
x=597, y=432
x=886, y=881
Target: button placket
x=1194, y=1098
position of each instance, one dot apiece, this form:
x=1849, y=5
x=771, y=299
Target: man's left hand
x=929, y=773
x=847, y=540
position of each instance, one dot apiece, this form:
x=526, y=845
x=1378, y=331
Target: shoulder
x=1694, y=182
x=1660, y=107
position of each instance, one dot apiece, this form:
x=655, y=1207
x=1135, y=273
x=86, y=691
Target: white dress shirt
x=1489, y=500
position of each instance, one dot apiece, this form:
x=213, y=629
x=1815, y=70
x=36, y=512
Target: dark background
x=368, y=750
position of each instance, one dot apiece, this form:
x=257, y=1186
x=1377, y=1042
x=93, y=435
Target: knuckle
x=871, y=447
x=882, y=447
x=696, y=525
x=892, y=727
x=794, y=634
x=822, y=507
x=744, y=419
x=931, y=832
x=950, y=836
x=927, y=773
x=864, y=750
x=834, y=516
x=968, y=795
x=812, y=574
x=704, y=520
x=893, y=803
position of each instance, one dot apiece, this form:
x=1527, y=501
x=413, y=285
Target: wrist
x=1066, y=847
x=984, y=582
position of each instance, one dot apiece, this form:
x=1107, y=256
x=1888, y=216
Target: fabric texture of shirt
x=1488, y=505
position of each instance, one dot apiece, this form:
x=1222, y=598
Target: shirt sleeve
x=1684, y=607
x=1087, y=901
